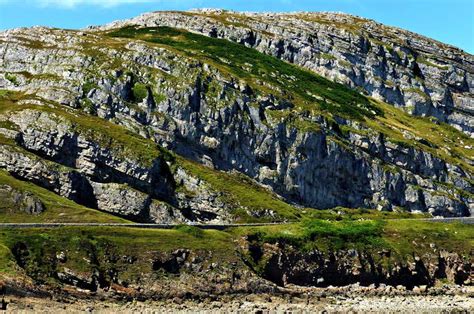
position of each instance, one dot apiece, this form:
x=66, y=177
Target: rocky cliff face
x=409, y=71
x=284, y=264
x=255, y=267
x=25, y=202
x=85, y=112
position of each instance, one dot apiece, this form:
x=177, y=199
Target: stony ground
x=258, y=304
x=459, y=303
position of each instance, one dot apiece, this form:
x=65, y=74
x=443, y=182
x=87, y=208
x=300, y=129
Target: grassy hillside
x=99, y=245
x=311, y=93
x=308, y=90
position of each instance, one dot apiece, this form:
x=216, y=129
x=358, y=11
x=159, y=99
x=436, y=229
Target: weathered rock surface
x=79, y=168
x=27, y=202
x=202, y=113
x=423, y=76
x=284, y=265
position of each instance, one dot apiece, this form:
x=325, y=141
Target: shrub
x=140, y=91
x=12, y=78
x=191, y=230
x=87, y=87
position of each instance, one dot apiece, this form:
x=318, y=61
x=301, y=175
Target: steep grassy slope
x=310, y=91
x=405, y=69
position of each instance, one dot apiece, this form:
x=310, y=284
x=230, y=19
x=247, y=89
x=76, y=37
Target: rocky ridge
x=209, y=112
x=423, y=76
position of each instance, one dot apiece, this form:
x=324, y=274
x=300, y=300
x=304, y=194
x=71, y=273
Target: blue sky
x=450, y=21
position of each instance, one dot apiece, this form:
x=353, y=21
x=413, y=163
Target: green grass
x=323, y=235
x=440, y=139
x=7, y=263
x=417, y=91
x=12, y=78
x=104, y=247
x=408, y=237
x=343, y=234
x=123, y=142
x=242, y=194
x=309, y=92
x=402, y=237
x=191, y=230
x=234, y=58
x=88, y=86
x=139, y=92
x=425, y=61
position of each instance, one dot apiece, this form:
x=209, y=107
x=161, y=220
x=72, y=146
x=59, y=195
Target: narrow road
x=133, y=225
x=466, y=220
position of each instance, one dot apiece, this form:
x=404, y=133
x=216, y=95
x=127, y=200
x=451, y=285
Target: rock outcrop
x=284, y=265
x=423, y=76
x=18, y=200
x=207, y=111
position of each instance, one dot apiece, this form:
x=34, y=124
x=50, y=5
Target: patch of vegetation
x=342, y=234
x=160, y=98
x=242, y=194
x=327, y=235
x=354, y=25
x=88, y=86
x=386, y=45
x=417, y=91
x=226, y=18
x=409, y=237
x=12, y=78
x=191, y=230
x=425, y=61
x=403, y=238
x=7, y=261
x=3, y=93
x=88, y=106
x=297, y=83
x=439, y=139
x=92, y=249
x=327, y=56
x=118, y=139
x=8, y=125
x=140, y=91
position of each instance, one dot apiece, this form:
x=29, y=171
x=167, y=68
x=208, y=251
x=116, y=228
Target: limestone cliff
x=146, y=120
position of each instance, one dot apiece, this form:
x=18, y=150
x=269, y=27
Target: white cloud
x=74, y=3
x=103, y=3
